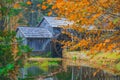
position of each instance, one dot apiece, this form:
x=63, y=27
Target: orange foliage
x=49, y=1
x=44, y=7
x=28, y=2
x=49, y=13
x=38, y=5
x=107, y=40
x=16, y=5
x=102, y=13
x=81, y=10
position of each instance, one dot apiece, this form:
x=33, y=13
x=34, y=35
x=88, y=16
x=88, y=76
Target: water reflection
x=87, y=73
x=68, y=70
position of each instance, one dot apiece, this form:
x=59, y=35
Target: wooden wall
x=46, y=25
x=20, y=35
x=38, y=44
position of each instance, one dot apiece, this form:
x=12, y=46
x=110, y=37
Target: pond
x=66, y=70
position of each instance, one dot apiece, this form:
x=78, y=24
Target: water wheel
x=57, y=49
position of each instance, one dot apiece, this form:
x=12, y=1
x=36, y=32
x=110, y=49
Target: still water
x=66, y=70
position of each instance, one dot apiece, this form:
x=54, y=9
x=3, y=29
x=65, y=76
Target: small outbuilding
x=36, y=38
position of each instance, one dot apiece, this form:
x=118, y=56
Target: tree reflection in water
x=75, y=70
x=83, y=73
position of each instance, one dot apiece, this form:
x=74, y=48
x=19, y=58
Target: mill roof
x=33, y=32
x=55, y=22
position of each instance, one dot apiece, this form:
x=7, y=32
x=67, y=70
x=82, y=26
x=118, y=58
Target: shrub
x=12, y=55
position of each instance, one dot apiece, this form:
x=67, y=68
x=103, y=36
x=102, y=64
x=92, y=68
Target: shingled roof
x=54, y=22
x=31, y=32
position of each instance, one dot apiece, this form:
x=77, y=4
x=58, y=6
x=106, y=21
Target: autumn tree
x=34, y=10
x=102, y=15
x=14, y=13
x=12, y=52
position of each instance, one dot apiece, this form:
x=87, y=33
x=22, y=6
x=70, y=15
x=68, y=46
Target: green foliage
x=64, y=75
x=8, y=63
x=74, y=58
x=40, y=1
x=117, y=66
x=116, y=20
x=3, y=10
x=5, y=70
x=14, y=12
x=9, y=1
x=44, y=66
x=48, y=54
x=23, y=4
x=53, y=63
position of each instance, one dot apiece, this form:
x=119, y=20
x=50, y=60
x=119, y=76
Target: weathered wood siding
x=45, y=24
x=20, y=35
x=38, y=44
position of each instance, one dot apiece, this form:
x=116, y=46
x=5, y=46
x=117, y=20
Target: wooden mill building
x=36, y=38
x=40, y=38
